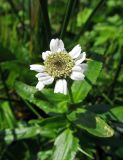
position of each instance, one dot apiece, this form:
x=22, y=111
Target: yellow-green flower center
x=59, y=64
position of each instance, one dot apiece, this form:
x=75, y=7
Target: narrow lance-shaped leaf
x=7, y=118
x=66, y=146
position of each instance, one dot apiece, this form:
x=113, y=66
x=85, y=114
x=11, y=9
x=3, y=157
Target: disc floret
x=59, y=65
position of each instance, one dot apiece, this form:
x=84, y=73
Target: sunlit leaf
x=91, y=123
x=66, y=146
x=7, y=118
x=43, y=155
x=116, y=113
x=10, y=135
x=83, y=16
x=46, y=100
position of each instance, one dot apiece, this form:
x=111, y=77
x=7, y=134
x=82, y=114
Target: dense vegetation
x=41, y=125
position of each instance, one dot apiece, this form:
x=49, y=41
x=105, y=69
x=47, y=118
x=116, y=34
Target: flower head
x=59, y=65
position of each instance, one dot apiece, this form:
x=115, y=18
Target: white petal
x=40, y=86
x=64, y=87
x=58, y=86
x=45, y=78
x=56, y=45
x=48, y=81
x=37, y=67
x=46, y=54
x=43, y=74
x=61, y=86
x=77, y=68
x=81, y=58
x=77, y=76
x=83, y=66
x=75, y=52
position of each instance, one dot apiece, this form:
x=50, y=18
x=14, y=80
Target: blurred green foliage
x=46, y=126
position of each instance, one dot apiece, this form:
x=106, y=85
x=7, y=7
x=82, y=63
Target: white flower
x=58, y=65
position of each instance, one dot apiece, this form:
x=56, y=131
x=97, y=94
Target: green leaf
x=46, y=100
x=98, y=108
x=83, y=16
x=116, y=113
x=26, y=131
x=48, y=127
x=12, y=77
x=43, y=155
x=52, y=125
x=9, y=135
x=80, y=89
x=106, y=33
x=66, y=146
x=55, y=122
x=7, y=119
x=91, y=123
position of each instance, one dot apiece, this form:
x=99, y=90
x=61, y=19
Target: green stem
x=85, y=153
x=70, y=94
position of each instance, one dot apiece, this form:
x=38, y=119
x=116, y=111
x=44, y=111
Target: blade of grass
x=15, y=11
x=46, y=21
x=68, y=13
